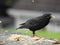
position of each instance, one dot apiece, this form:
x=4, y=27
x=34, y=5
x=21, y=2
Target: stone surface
x=10, y=38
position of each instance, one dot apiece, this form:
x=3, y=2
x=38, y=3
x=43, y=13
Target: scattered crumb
x=36, y=38
x=2, y=41
x=16, y=37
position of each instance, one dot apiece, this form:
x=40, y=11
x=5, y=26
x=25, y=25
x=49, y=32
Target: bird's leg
x=35, y=37
x=33, y=33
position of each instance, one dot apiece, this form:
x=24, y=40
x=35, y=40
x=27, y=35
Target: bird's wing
x=32, y=22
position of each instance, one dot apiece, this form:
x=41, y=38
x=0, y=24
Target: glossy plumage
x=36, y=23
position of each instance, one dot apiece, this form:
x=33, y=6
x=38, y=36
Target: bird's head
x=48, y=15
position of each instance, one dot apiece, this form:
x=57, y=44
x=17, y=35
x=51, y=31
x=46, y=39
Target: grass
x=44, y=33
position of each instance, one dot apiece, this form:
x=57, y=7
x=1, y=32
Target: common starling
x=37, y=23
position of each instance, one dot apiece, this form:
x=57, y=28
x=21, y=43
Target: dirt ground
x=10, y=38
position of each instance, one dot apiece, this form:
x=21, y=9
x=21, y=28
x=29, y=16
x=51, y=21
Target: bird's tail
x=20, y=27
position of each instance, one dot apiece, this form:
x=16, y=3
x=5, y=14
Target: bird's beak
x=53, y=16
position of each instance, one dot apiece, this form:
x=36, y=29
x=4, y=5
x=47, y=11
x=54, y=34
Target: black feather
x=37, y=23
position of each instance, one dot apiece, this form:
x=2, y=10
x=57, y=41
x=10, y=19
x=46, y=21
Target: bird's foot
x=36, y=38
x=35, y=35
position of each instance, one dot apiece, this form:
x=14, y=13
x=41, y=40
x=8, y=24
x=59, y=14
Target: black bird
x=36, y=23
